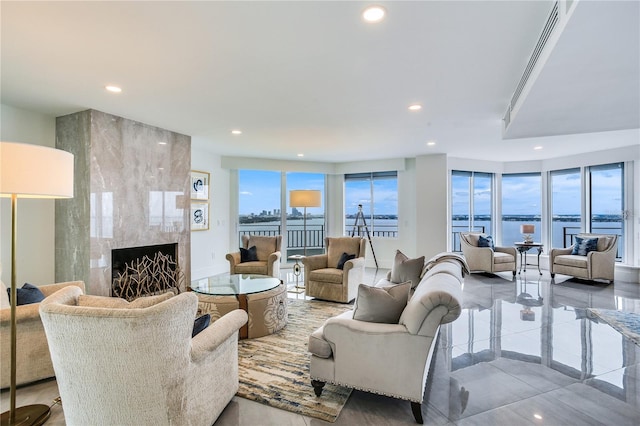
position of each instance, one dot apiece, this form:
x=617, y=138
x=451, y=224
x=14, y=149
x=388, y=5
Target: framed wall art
x=199, y=216
x=199, y=185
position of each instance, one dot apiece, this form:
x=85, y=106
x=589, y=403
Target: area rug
x=274, y=370
x=626, y=323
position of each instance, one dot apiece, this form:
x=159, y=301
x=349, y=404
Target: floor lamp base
x=32, y=415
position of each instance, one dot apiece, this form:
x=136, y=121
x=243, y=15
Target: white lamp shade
x=34, y=171
x=305, y=198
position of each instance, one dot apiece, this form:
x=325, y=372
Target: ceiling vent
x=550, y=25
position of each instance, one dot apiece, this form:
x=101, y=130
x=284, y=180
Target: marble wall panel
x=137, y=190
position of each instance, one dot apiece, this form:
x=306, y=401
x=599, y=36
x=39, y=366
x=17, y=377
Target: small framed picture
x=199, y=185
x=199, y=216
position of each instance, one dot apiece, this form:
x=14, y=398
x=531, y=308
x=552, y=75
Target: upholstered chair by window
x=335, y=276
x=258, y=255
x=592, y=257
x=129, y=364
x=487, y=259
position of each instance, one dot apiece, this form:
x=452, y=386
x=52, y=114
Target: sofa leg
x=514, y=273
x=417, y=412
x=553, y=275
x=317, y=386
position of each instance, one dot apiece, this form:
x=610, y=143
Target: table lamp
x=29, y=171
x=305, y=198
x=527, y=230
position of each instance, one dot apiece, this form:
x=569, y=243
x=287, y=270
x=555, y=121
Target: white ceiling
x=311, y=77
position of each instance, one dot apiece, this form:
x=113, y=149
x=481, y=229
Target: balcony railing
x=295, y=236
x=385, y=231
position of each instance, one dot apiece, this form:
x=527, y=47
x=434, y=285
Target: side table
x=524, y=248
x=297, y=269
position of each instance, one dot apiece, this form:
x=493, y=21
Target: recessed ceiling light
x=373, y=14
x=162, y=143
x=160, y=168
x=431, y=143
x=236, y=132
x=537, y=148
x=300, y=155
x=537, y=416
x=113, y=89
x=415, y=107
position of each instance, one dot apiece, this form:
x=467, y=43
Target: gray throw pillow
x=405, y=269
x=381, y=304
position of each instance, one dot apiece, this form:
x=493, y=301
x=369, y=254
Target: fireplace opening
x=145, y=271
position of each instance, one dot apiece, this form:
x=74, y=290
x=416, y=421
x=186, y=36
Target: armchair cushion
x=381, y=304
x=405, y=269
x=584, y=246
x=343, y=259
x=200, y=324
x=27, y=295
x=486, y=241
x=339, y=246
x=264, y=246
x=328, y=275
x=248, y=255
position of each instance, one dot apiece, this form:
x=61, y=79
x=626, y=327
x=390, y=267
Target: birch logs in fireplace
x=146, y=276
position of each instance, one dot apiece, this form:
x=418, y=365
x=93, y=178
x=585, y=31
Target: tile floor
x=524, y=351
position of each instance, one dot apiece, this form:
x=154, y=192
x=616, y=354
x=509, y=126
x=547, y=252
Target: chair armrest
x=49, y=289
x=234, y=259
x=508, y=250
x=274, y=257
x=557, y=252
x=217, y=333
x=317, y=261
x=356, y=263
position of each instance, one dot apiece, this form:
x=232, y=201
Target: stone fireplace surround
x=131, y=188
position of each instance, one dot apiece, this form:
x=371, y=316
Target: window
x=376, y=194
x=606, y=201
x=566, y=207
x=259, y=202
x=521, y=204
x=471, y=204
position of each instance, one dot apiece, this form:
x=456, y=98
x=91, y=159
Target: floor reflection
x=525, y=349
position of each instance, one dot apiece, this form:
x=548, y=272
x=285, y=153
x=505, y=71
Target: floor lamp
x=305, y=198
x=29, y=171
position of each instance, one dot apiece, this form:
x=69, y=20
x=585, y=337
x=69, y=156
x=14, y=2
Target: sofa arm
x=213, y=336
x=24, y=313
x=601, y=264
x=557, y=252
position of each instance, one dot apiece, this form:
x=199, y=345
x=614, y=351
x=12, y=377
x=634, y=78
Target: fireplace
x=144, y=271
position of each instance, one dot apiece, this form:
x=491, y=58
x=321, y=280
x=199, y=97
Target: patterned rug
x=274, y=370
x=627, y=323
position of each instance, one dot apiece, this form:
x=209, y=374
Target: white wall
x=209, y=248
x=36, y=218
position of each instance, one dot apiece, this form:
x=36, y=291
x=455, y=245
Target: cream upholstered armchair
x=138, y=363
x=263, y=260
x=487, y=259
x=323, y=276
x=594, y=260
x=34, y=361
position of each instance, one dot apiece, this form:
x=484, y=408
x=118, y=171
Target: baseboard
x=622, y=272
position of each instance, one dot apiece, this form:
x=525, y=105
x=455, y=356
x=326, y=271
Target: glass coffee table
x=261, y=296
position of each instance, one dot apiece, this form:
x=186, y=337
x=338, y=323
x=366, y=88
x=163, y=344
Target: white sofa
x=138, y=364
x=390, y=359
x=33, y=361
